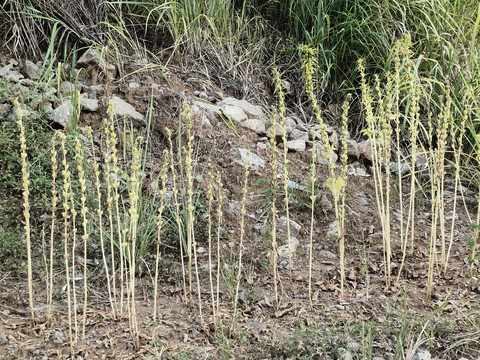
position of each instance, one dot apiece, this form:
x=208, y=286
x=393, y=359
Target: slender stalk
x=52, y=226
x=26, y=203
x=177, y=210
x=163, y=177
x=243, y=211
x=96, y=170
x=313, y=179
x=219, y=227
x=281, y=101
x=66, y=226
x=273, y=230
x=84, y=209
x=210, y=223
x=192, y=244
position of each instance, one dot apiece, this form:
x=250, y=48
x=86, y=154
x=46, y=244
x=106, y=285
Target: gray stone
x=422, y=355
x=362, y=201
x=334, y=140
x=344, y=354
x=59, y=337
x=14, y=76
x=325, y=203
x=296, y=145
x=290, y=124
x=283, y=251
x=326, y=255
x=332, y=233
x=378, y=358
x=89, y=57
x=89, y=104
x=4, y=110
x=261, y=146
x=121, y=108
x=234, y=112
x=256, y=125
x=3, y=338
x=299, y=135
x=208, y=107
x=5, y=70
x=248, y=108
x=322, y=156
x=294, y=226
x=240, y=156
x=295, y=186
x=68, y=87
x=133, y=85
x=352, y=149
x=62, y=115
x=31, y=70
x=365, y=150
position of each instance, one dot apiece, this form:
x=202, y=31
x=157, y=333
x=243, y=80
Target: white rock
x=62, y=115
x=422, y=355
x=261, y=146
x=31, y=70
x=14, y=76
x=121, y=108
x=296, y=145
x=248, y=108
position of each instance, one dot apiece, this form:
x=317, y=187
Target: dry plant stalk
x=52, y=226
x=243, y=211
x=379, y=132
x=209, y=226
x=110, y=197
x=281, y=108
x=177, y=208
x=273, y=230
x=219, y=227
x=192, y=244
x=335, y=183
x=457, y=147
x=313, y=179
x=84, y=209
x=134, y=192
x=160, y=221
x=66, y=226
x=96, y=170
x=26, y=203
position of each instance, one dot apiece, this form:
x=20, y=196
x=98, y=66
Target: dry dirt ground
x=367, y=317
